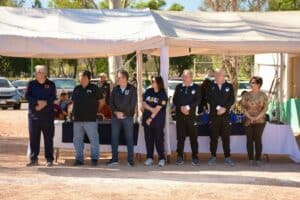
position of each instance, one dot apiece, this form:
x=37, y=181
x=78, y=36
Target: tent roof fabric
x=230, y=32
x=67, y=33
x=76, y=33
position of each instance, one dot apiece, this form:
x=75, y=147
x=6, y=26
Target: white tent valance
x=69, y=33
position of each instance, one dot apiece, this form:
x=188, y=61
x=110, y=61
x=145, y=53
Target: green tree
x=176, y=7
x=283, y=5
x=152, y=4
x=12, y=3
x=37, y=4
x=179, y=64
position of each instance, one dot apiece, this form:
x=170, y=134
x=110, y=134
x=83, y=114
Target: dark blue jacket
x=217, y=97
x=47, y=92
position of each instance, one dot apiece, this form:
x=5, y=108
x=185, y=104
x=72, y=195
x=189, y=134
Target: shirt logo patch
x=89, y=91
x=193, y=91
x=163, y=102
x=126, y=92
x=227, y=89
x=47, y=86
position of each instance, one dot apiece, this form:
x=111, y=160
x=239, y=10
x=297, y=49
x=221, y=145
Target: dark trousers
x=36, y=126
x=117, y=125
x=220, y=127
x=187, y=127
x=154, y=135
x=254, y=136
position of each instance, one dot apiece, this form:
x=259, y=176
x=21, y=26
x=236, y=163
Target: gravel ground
x=277, y=179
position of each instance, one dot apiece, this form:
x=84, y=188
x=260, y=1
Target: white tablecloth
x=59, y=144
x=277, y=139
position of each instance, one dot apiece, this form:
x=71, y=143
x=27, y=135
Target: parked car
x=64, y=84
x=21, y=86
x=243, y=86
x=172, y=86
x=9, y=95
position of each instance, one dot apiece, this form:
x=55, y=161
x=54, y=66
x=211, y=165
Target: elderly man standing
x=104, y=86
x=86, y=98
x=220, y=96
x=41, y=94
x=186, y=99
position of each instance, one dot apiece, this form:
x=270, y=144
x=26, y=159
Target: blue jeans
x=118, y=125
x=91, y=129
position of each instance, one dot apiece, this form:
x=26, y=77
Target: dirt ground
x=277, y=179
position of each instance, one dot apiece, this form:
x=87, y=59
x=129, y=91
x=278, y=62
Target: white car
x=243, y=86
x=172, y=86
x=9, y=95
x=21, y=86
x=64, y=85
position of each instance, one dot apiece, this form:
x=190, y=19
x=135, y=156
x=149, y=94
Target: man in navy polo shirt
x=86, y=98
x=41, y=94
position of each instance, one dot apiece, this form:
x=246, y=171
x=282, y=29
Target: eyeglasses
x=41, y=72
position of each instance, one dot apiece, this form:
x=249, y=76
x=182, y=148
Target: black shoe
x=179, y=160
x=32, y=163
x=94, y=162
x=131, y=163
x=49, y=164
x=112, y=162
x=195, y=162
x=78, y=163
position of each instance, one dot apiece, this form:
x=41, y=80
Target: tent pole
x=139, y=72
x=164, y=72
x=281, y=96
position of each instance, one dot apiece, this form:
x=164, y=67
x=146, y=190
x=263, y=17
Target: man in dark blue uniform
x=220, y=97
x=186, y=99
x=41, y=94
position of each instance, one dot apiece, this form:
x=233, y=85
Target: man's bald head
x=220, y=75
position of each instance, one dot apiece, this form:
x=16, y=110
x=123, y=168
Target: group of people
x=122, y=101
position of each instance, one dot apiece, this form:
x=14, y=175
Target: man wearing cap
x=86, y=98
x=41, y=94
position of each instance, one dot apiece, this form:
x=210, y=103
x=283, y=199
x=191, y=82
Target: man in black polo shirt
x=86, y=98
x=220, y=96
x=186, y=98
x=123, y=101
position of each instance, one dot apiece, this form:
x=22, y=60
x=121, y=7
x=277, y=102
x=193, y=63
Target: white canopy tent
x=67, y=33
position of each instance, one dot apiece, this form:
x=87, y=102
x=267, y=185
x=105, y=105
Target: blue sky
x=189, y=5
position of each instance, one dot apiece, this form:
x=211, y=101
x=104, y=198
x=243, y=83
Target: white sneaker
x=148, y=162
x=161, y=163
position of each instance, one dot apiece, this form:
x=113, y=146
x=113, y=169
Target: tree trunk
x=114, y=62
